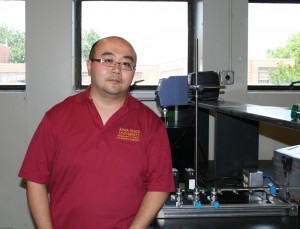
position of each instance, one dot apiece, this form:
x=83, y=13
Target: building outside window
x=12, y=44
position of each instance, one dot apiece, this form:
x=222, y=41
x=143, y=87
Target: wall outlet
x=226, y=77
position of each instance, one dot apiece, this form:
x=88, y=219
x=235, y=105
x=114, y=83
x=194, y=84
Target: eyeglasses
x=111, y=63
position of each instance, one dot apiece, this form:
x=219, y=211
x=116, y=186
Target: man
x=103, y=154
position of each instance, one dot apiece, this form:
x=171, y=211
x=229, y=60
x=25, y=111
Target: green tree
x=89, y=37
x=285, y=74
x=15, y=40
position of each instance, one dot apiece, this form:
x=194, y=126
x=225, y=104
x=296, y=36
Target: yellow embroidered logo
x=129, y=134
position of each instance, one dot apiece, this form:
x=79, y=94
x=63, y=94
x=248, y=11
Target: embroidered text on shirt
x=129, y=134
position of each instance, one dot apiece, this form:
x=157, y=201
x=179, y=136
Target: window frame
x=77, y=40
x=16, y=87
x=290, y=87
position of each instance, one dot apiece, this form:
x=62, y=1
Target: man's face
x=110, y=78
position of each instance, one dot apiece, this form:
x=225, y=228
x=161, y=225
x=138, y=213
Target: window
x=263, y=75
x=273, y=44
x=158, y=30
x=12, y=44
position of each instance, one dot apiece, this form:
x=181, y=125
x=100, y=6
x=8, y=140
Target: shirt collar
x=84, y=95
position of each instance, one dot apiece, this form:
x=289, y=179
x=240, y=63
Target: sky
x=156, y=32
x=270, y=26
x=17, y=19
x=265, y=31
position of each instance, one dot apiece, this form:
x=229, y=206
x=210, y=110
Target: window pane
x=273, y=43
x=157, y=30
x=12, y=43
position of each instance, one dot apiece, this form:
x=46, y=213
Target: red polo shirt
x=98, y=174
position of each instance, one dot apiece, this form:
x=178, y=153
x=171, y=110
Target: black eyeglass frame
x=102, y=60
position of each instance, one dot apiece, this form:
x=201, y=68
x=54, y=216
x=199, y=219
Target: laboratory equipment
x=196, y=197
x=286, y=166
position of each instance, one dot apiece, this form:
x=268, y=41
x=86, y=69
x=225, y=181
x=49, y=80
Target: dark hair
x=93, y=50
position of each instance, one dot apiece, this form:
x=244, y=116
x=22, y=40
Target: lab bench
x=237, y=132
x=236, y=145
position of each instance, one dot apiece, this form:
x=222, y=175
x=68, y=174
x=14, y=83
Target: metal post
x=196, y=113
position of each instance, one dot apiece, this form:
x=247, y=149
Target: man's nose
x=117, y=67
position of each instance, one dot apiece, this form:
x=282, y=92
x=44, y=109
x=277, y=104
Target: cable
x=183, y=133
x=206, y=182
x=265, y=177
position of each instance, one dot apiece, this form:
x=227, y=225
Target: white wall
x=49, y=60
x=13, y=211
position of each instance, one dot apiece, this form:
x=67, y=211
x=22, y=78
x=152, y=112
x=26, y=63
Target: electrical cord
x=183, y=133
x=265, y=177
x=206, y=183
